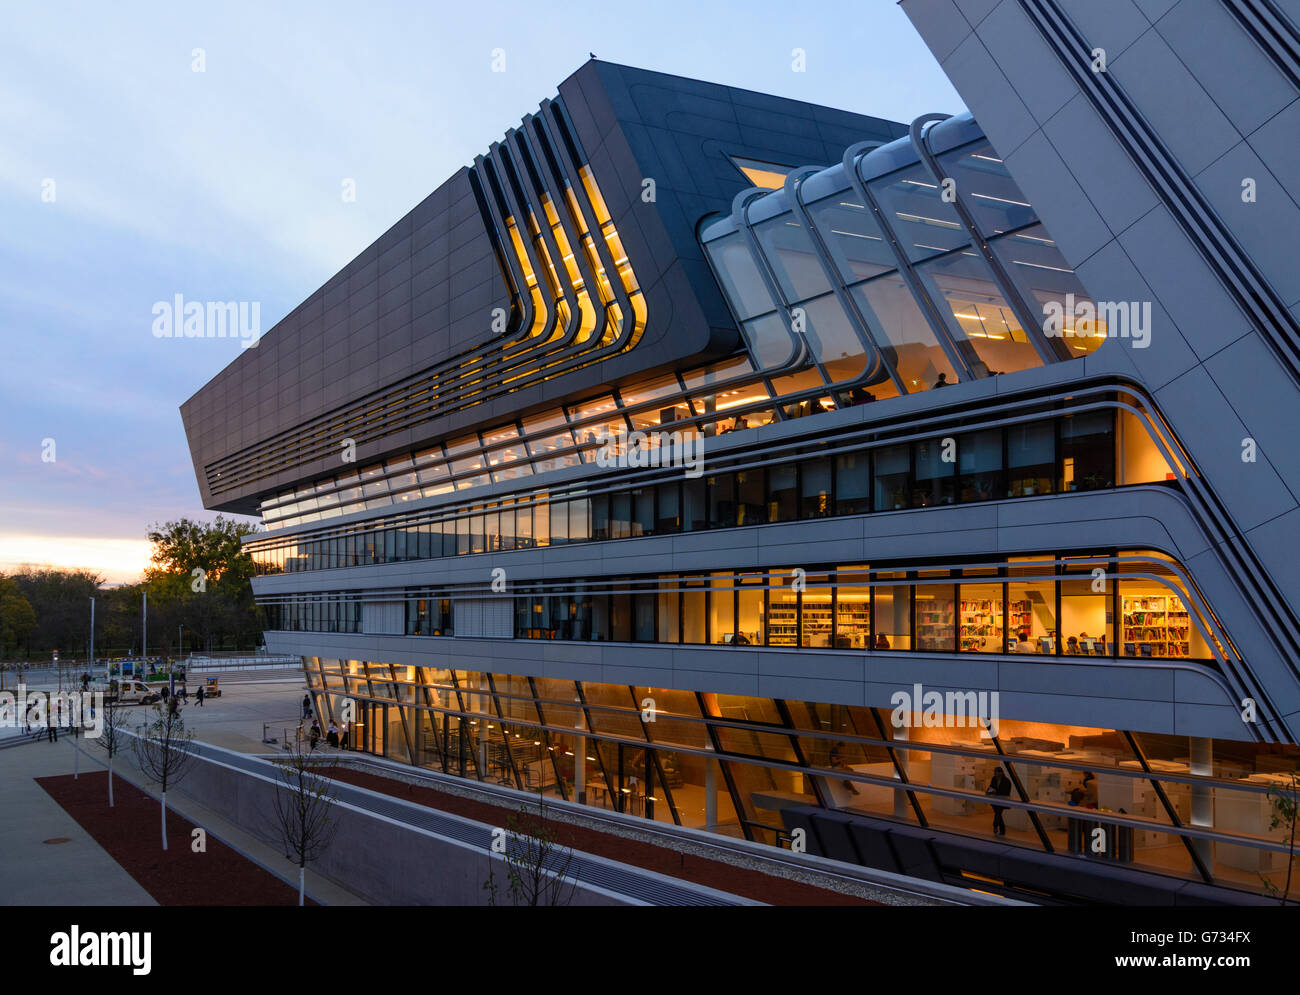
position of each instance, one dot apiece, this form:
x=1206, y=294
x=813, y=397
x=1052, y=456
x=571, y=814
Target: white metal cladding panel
x=484, y=617
x=383, y=618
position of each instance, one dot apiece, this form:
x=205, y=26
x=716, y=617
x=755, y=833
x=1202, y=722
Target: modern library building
x=728, y=461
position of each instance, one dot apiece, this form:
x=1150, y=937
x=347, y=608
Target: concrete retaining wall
x=382, y=862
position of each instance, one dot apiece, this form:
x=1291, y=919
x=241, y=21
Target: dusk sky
x=225, y=185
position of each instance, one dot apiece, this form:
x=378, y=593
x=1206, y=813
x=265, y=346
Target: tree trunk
x=164, y=819
x=110, y=781
x=302, y=883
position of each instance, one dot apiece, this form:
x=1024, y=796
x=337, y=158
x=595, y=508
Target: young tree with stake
x=1286, y=816
x=303, y=804
x=112, y=737
x=538, y=866
x=162, y=750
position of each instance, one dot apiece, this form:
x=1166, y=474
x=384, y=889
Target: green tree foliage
x=60, y=601
x=200, y=577
x=215, y=547
x=17, y=617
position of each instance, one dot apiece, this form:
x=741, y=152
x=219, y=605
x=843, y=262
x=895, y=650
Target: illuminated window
x=768, y=175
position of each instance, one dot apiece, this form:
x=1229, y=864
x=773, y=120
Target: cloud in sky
x=225, y=185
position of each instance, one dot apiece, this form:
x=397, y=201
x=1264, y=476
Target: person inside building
x=837, y=763
x=942, y=381
x=1023, y=645
x=999, y=787
x=859, y=395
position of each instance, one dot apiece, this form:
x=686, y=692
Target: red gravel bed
x=131, y=832
x=689, y=867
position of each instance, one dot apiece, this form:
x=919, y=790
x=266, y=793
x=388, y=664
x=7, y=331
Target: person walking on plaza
x=999, y=787
x=343, y=734
x=52, y=723
x=315, y=733
x=332, y=737
x=198, y=696
x=306, y=706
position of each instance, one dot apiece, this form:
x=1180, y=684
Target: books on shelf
x=934, y=624
x=1155, y=625
x=980, y=626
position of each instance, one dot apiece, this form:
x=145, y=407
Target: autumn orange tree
x=200, y=577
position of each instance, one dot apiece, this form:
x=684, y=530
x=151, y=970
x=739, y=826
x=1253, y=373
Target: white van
x=128, y=692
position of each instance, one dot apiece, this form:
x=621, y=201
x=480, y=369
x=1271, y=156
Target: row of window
x=550, y=440
x=724, y=763
x=456, y=383
x=779, y=282
x=980, y=326
x=1010, y=609
x=1088, y=451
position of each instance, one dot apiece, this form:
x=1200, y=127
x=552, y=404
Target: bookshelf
x=1020, y=616
x=980, y=627
x=816, y=621
x=853, y=622
x=934, y=624
x=1155, y=625
x=783, y=622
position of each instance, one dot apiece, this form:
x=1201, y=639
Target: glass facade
x=731, y=764
x=871, y=278
x=1069, y=453
x=1044, y=606
x=823, y=302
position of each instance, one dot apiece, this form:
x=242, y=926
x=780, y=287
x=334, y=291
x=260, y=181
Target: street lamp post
x=180, y=629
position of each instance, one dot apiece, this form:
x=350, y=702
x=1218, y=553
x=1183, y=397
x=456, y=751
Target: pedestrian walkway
x=80, y=871
x=36, y=872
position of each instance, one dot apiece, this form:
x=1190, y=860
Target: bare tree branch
x=303, y=804
x=162, y=750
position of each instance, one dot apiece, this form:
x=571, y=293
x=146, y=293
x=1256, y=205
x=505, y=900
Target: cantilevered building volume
x=994, y=418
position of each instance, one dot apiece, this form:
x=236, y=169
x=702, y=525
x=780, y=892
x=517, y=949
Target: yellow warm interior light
x=768, y=179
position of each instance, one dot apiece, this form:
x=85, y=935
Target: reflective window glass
x=793, y=258
x=924, y=225
x=738, y=272
x=996, y=339
x=851, y=234
x=905, y=338
x=987, y=190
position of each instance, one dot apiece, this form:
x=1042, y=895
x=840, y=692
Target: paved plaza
x=79, y=871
